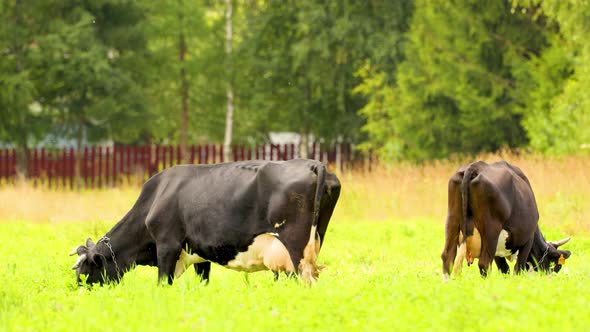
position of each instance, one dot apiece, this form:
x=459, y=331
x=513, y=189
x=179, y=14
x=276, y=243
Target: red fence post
x=13, y=165
x=107, y=168
x=99, y=167
x=235, y=153
x=148, y=160
x=35, y=167
x=72, y=164
x=43, y=162
x=92, y=166
x=2, y=163
x=84, y=166
x=128, y=162
x=163, y=157
x=137, y=155
x=157, y=158
x=60, y=169
x=49, y=168
x=121, y=150
x=115, y=164
x=171, y=155
x=65, y=176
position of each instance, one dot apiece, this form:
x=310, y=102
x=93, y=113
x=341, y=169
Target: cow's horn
x=556, y=244
x=74, y=251
x=80, y=260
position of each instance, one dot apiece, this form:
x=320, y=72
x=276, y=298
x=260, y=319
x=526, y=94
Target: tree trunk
x=304, y=145
x=183, y=93
x=229, y=115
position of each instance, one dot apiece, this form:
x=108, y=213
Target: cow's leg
x=202, y=270
x=167, y=258
x=163, y=225
x=458, y=265
x=451, y=241
x=523, y=255
x=502, y=264
x=454, y=217
x=489, y=242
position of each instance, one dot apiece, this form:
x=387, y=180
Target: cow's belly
x=474, y=245
x=265, y=253
x=185, y=260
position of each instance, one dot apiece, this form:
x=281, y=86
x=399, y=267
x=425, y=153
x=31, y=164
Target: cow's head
x=551, y=258
x=94, y=263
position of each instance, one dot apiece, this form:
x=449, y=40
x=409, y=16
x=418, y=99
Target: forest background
x=411, y=80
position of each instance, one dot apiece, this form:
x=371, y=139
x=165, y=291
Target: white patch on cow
x=184, y=261
x=266, y=252
x=501, y=249
x=474, y=245
x=277, y=225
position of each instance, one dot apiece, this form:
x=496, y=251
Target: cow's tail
x=308, y=267
x=471, y=171
x=320, y=171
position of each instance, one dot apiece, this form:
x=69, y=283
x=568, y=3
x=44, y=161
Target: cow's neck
x=127, y=239
x=540, y=246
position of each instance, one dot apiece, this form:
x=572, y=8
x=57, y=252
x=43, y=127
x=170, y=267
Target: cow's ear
x=89, y=243
x=564, y=253
x=559, y=256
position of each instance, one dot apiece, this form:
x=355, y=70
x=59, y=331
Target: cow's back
x=224, y=206
x=505, y=192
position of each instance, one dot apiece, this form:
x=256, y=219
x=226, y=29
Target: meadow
x=382, y=257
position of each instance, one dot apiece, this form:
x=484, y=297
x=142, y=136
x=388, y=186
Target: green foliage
x=558, y=117
x=379, y=276
x=87, y=76
x=456, y=91
x=202, y=29
x=22, y=119
x=412, y=80
x=303, y=56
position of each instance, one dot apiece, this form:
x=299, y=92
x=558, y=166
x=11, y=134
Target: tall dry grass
x=390, y=193
x=405, y=191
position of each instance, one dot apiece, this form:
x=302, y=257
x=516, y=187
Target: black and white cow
x=492, y=215
x=246, y=216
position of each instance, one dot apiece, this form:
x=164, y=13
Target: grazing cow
x=247, y=216
x=492, y=214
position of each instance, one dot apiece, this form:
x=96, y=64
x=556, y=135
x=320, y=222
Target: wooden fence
x=116, y=165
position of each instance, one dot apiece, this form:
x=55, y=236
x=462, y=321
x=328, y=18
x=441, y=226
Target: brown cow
x=494, y=205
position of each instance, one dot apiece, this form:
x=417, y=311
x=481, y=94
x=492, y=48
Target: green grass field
x=382, y=257
x=379, y=276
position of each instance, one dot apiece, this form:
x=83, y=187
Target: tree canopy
x=414, y=80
